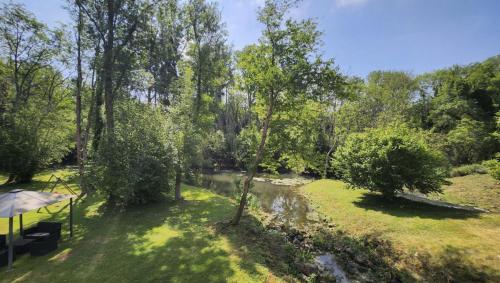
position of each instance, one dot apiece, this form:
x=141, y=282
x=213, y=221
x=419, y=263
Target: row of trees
x=155, y=95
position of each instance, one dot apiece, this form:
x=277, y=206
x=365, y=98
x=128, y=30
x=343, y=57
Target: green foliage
x=390, y=160
x=294, y=138
x=388, y=97
x=137, y=166
x=468, y=142
x=469, y=169
x=493, y=167
x=207, y=52
x=190, y=132
x=40, y=131
x=36, y=121
x=247, y=142
x=286, y=77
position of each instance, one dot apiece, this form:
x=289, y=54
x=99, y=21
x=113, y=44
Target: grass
x=475, y=190
x=162, y=242
x=469, y=241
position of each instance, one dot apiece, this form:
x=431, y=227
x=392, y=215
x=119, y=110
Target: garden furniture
x=22, y=246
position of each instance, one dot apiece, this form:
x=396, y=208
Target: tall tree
x=28, y=47
x=207, y=66
x=115, y=23
x=281, y=68
x=333, y=92
x=208, y=53
x=163, y=43
x=32, y=135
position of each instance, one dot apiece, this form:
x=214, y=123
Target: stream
x=278, y=197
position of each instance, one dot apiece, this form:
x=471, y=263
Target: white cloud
x=346, y=3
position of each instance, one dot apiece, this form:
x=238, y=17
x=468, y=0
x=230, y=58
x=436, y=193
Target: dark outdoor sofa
x=53, y=228
x=40, y=246
x=45, y=246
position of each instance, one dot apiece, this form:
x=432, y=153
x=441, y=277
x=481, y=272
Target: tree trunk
x=253, y=169
x=79, y=99
x=108, y=70
x=178, y=180
x=11, y=179
x=98, y=123
x=149, y=95
x=327, y=159
x=333, y=138
x=86, y=132
x=95, y=114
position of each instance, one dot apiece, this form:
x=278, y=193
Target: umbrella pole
x=11, y=242
x=71, y=217
x=21, y=230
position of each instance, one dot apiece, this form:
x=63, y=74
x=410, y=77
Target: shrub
x=493, y=167
x=389, y=160
x=469, y=142
x=135, y=167
x=468, y=170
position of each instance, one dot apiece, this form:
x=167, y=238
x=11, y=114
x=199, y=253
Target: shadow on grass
x=161, y=242
x=453, y=265
x=402, y=207
x=37, y=184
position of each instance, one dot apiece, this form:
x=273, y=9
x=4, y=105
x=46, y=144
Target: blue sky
x=365, y=35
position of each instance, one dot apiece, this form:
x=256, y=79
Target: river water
x=278, y=197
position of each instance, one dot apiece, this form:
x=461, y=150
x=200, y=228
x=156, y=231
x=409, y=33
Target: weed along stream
x=290, y=211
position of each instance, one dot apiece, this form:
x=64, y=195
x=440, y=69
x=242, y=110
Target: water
x=277, y=197
x=328, y=263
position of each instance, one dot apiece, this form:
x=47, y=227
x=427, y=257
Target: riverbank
x=407, y=240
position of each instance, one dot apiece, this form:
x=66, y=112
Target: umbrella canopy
x=18, y=202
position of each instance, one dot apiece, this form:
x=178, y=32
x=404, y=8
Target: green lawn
x=163, y=242
x=476, y=190
x=443, y=235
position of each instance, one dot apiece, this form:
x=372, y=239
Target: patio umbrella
x=17, y=202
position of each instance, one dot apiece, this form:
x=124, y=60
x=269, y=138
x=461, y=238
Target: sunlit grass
x=475, y=190
x=161, y=242
x=414, y=228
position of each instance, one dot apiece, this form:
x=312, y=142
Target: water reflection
x=283, y=201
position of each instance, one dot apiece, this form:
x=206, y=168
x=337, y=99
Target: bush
x=135, y=167
x=389, y=160
x=468, y=143
x=468, y=170
x=493, y=167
